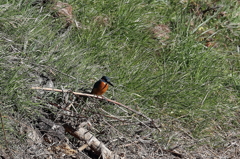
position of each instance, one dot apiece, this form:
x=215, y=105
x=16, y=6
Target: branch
x=97, y=146
x=94, y=96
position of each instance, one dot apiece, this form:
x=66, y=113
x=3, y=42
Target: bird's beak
x=110, y=83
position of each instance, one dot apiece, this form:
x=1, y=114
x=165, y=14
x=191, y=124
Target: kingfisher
x=101, y=86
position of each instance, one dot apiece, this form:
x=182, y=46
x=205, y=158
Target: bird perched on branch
x=101, y=86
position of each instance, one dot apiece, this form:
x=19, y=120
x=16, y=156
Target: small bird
x=101, y=86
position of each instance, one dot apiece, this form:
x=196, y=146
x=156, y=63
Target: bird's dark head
x=106, y=79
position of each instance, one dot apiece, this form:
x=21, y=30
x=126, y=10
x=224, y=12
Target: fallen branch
x=98, y=147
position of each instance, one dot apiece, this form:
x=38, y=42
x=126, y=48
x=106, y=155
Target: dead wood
x=94, y=96
x=118, y=132
x=97, y=146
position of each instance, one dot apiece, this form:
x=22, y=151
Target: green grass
x=178, y=78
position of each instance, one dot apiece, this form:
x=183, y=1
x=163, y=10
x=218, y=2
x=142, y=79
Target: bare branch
x=98, y=147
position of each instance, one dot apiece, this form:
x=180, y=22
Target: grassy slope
x=179, y=80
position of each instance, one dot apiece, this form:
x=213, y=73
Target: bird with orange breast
x=101, y=86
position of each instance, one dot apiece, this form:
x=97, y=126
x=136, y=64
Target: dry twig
x=94, y=96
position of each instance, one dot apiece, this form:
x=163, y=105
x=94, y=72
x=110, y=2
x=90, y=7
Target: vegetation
x=173, y=60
